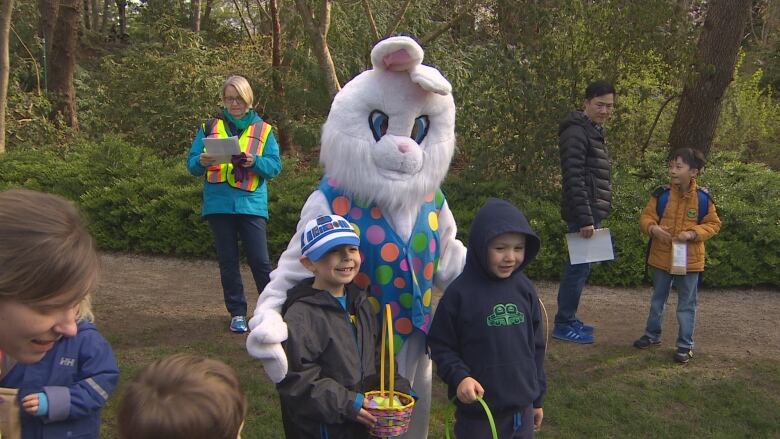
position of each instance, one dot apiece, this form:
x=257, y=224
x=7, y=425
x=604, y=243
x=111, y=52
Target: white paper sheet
x=221, y=149
x=594, y=249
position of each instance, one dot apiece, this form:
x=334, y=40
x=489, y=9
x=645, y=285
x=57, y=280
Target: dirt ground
x=145, y=301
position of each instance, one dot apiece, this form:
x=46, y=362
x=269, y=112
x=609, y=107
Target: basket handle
x=387, y=336
x=451, y=413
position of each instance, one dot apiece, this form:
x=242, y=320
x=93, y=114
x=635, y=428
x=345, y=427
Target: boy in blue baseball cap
x=332, y=344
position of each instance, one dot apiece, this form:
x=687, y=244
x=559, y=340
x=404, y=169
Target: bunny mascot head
x=386, y=148
x=390, y=134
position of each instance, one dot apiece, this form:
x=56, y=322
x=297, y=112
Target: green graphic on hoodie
x=505, y=315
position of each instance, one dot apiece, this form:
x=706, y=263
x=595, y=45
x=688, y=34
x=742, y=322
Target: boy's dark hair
x=183, y=397
x=599, y=88
x=691, y=157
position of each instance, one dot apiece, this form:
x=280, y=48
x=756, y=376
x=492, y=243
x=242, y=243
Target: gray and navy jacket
x=333, y=360
x=585, y=169
x=77, y=376
x=488, y=328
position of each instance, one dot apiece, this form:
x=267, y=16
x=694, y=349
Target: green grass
x=608, y=392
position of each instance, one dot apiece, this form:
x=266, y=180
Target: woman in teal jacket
x=235, y=193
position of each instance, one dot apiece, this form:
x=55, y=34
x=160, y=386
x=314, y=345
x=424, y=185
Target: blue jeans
x=687, y=290
x=572, y=282
x=226, y=229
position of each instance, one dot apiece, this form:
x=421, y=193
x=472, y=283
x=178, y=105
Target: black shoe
x=645, y=342
x=683, y=355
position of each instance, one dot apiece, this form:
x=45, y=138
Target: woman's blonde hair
x=183, y=397
x=45, y=249
x=242, y=87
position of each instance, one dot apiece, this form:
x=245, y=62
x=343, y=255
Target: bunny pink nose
x=404, y=147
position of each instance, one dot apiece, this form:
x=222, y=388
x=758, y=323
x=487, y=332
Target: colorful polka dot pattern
x=398, y=273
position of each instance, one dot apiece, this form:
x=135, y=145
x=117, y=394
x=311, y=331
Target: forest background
x=114, y=134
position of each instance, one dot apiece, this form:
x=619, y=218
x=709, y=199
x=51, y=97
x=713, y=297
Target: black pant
x=518, y=425
x=226, y=230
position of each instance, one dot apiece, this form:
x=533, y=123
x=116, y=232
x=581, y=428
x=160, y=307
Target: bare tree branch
x=243, y=23
x=371, y=22
x=32, y=58
x=398, y=18
x=445, y=26
x=325, y=18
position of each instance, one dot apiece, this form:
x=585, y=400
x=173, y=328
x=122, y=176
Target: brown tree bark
x=93, y=5
x=86, y=13
x=63, y=57
x=104, y=17
x=121, y=7
x=204, y=21
x=5, y=26
x=317, y=28
x=195, y=15
x=48, y=18
x=719, y=42
x=285, y=140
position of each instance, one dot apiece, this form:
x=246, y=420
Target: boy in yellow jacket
x=678, y=213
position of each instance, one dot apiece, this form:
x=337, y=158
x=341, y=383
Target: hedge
x=139, y=202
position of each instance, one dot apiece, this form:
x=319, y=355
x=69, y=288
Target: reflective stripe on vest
x=252, y=141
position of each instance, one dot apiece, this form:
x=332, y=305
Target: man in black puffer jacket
x=587, y=197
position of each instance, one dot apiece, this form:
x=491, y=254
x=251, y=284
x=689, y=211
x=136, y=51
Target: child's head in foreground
x=330, y=250
x=48, y=264
x=685, y=164
x=183, y=397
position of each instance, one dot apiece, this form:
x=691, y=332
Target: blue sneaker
x=570, y=333
x=582, y=327
x=238, y=324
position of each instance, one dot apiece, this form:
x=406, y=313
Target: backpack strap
x=662, y=194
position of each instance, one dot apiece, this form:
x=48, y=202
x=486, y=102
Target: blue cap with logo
x=324, y=233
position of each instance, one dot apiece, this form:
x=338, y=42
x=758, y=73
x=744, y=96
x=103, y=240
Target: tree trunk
x=86, y=13
x=93, y=5
x=121, y=7
x=195, y=10
x=63, y=56
x=719, y=42
x=5, y=27
x=317, y=28
x=48, y=16
x=206, y=15
x=285, y=140
x=104, y=17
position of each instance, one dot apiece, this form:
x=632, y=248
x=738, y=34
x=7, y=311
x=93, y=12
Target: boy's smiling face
x=335, y=268
x=681, y=173
x=505, y=254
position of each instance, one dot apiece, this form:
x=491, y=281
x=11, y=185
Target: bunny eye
x=378, y=122
x=420, y=129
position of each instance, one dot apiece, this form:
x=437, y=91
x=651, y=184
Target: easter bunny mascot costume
x=386, y=148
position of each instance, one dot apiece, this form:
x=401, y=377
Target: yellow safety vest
x=252, y=141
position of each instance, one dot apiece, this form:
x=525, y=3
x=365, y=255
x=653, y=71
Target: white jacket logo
x=67, y=362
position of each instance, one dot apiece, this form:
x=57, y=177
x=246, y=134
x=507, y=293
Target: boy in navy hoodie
x=487, y=337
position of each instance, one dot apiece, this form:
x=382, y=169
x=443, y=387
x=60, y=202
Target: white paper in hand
x=221, y=149
x=594, y=249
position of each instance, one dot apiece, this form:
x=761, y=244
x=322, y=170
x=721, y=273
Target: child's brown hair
x=183, y=397
x=45, y=249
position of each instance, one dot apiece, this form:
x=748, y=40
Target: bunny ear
x=396, y=54
x=429, y=79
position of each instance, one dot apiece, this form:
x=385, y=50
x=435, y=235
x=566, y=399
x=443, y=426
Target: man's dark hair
x=598, y=88
x=691, y=157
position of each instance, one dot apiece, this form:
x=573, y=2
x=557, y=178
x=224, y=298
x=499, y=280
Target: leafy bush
x=139, y=202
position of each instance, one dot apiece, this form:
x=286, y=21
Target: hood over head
x=495, y=218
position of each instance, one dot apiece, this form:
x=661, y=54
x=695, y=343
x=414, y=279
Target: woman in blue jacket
x=235, y=194
x=62, y=395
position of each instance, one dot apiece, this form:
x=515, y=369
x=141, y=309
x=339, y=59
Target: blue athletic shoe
x=570, y=333
x=238, y=324
x=582, y=327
